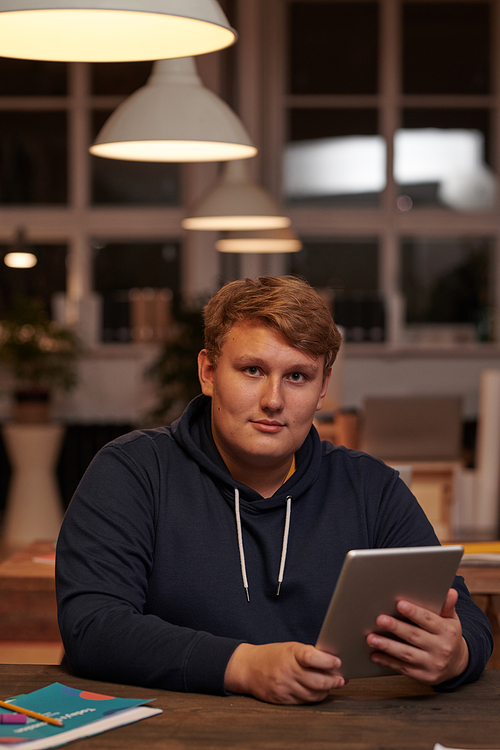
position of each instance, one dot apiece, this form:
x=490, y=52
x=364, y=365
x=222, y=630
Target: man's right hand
x=282, y=672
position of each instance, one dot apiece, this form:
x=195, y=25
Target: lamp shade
x=19, y=255
x=173, y=118
x=236, y=203
x=111, y=30
x=263, y=241
x=20, y=260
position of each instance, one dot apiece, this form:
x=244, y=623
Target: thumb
x=449, y=604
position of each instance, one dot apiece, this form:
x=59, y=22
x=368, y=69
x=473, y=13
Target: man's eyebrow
x=246, y=359
x=249, y=360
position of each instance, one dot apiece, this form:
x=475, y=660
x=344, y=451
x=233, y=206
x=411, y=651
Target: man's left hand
x=433, y=648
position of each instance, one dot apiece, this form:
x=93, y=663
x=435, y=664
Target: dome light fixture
x=111, y=30
x=264, y=241
x=20, y=260
x=173, y=118
x=236, y=203
x=18, y=256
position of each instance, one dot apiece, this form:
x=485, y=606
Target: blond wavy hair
x=286, y=304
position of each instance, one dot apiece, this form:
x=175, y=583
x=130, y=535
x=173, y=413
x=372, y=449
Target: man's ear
x=324, y=389
x=206, y=373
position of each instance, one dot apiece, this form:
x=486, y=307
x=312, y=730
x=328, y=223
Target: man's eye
x=297, y=377
x=252, y=370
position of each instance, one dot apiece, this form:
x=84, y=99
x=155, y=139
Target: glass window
x=41, y=282
x=119, y=78
x=333, y=48
x=32, y=78
x=140, y=286
x=445, y=281
x=442, y=158
x=446, y=48
x=33, y=159
x=142, y=183
x=347, y=271
x=334, y=157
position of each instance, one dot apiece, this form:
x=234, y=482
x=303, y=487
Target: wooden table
x=483, y=582
x=382, y=712
x=28, y=610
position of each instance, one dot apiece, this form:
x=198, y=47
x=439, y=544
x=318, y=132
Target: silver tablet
x=370, y=583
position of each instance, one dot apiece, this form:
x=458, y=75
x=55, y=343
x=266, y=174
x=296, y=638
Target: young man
x=203, y=556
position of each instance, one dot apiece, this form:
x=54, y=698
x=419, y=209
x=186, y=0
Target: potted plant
x=39, y=357
x=175, y=372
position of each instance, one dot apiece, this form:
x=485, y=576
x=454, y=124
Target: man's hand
x=434, y=649
x=283, y=672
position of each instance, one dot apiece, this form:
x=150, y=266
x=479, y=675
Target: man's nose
x=272, y=395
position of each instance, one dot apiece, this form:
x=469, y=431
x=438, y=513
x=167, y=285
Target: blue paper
x=75, y=708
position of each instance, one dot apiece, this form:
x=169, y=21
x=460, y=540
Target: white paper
x=121, y=718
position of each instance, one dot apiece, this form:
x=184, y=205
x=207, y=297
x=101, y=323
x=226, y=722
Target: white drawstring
x=241, y=549
x=240, y=541
x=285, y=542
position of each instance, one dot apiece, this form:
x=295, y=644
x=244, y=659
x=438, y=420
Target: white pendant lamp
x=111, y=30
x=174, y=118
x=236, y=203
x=20, y=260
x=264, y=241
x=19, y=257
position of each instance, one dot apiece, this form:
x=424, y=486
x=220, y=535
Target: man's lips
x=269, y=426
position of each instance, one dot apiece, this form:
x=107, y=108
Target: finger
x=315, y=686
x=415, y=671
x=423, y=617
x=404, y=652
x=449, y=604
x=428, y=671
x=307, y=687
x=413, y=661
x=312, y=658
x=417, y=630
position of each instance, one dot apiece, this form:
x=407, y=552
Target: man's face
x=264, y=396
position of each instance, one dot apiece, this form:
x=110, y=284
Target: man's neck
x=264, y=480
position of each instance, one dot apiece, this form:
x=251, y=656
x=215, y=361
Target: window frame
x=386, y=221
x=257, y=81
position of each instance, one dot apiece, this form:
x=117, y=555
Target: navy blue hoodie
x=148, y=574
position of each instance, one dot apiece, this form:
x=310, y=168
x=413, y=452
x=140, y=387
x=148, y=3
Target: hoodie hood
x=193, y=432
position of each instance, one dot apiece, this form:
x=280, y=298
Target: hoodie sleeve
x=476, y=630
x=401, y=523
x=105, y=553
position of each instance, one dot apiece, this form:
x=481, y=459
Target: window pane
x=41, y=281
x=32, y=78
x=442, y=158
x=119, y=78
x=326, y=40
x=143, y=183
x=33, y=160
x=446, y=48
x=348, y=270
x=148, y=267
x=446, y=280
x=334, y=157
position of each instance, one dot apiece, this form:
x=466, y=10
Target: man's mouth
x=268, y=425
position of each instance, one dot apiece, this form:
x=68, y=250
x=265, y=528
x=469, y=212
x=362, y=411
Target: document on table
x=83, y=714
x=437, y=746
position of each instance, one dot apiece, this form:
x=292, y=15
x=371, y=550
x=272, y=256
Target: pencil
x=33, y=714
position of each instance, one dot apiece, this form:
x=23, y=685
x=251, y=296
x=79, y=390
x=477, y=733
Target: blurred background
x=377, y=123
